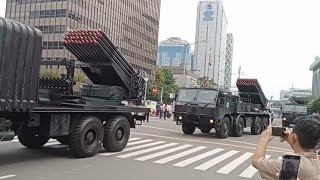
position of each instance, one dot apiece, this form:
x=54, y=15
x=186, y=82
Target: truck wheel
x=63, y=140
x=264, y=123
x=237, y=130
x=116, y=134
x=206, y=130
x=188, y=128
x=86, y=136
x=256, y=126
x=223, y=130
x=29, y=137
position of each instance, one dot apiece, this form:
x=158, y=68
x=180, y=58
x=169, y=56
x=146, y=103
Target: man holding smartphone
x=303, y=138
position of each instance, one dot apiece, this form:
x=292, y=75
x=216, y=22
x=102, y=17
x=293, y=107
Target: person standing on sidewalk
x=161, y=110
x=165, y=110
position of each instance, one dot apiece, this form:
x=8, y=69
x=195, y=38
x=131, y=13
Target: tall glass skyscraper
x=133, y=26
x=211, y=40
x=174, y=52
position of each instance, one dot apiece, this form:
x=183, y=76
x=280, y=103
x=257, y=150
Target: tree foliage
x=314, y=105
x=163, y=79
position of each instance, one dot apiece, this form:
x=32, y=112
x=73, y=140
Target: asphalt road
x=157, y=150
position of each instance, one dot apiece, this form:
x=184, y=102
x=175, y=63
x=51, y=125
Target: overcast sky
x=275, y=40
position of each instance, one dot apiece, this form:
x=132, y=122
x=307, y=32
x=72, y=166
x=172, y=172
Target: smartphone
x=290, y=167
x=278, y=131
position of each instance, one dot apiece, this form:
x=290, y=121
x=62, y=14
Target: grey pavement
x=157, y=150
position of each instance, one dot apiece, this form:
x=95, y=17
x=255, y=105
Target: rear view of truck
x=37, y=109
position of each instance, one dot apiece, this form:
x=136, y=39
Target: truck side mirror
x=222, y=100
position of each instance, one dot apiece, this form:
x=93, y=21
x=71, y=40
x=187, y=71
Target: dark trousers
x=160, y=114
x=165, y=114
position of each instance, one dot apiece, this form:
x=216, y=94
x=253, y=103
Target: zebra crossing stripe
x=146, y=150
x=139, y=142
x=215, y=161
x=134, y=139
x=177, y=156
x=234, y=164
x=151, y=156
x=134, y=148
x=197, y=158
x=251, y=171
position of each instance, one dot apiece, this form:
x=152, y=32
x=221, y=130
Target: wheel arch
x=238, y=116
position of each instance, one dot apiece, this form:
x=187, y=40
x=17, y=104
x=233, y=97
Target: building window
x=49, y=13
x=52, y=45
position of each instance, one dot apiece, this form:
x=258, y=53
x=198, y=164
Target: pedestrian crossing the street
x=199, y=158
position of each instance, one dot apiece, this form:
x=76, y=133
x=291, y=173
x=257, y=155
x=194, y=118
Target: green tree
x=164, y=79
x=314, y=105
x=48, y=74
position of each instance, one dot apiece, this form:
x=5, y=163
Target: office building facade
x=228, y=63
x=131, y=25
x=174, y=52
x=211, y=40
x=315, y=68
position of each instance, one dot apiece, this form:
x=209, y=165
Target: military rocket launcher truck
x=37, y=109
x=229, y=114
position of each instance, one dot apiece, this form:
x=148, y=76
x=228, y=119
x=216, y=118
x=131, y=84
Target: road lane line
x=207, y=142
x=234, y=164
x=134, y=139
x=134, y=148
x=251, y=171
x=139, y=142
x=197, y=158
x=240, y=142
x=151, y=156
x=52, y=144
x=6, y=177
x=216, y=160
x=177, y=156
x=146, y=150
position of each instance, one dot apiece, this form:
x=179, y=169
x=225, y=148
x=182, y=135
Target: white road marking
x=251, y=171
x=134, y=148
x=234, y=164
x=146, y=150
x=52, y=144
x=151, y=156
x=215, y=161
x=134, y=139
x=177, y=156
x=240, y=142
x=139, y=142
x=6, y=177
x=197, y=158
x=209, y=142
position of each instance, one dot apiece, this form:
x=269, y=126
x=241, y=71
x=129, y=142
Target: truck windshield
x=187, y=94
x=207, y=96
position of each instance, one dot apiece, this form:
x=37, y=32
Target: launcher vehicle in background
x=228, y=114
x=37, y=109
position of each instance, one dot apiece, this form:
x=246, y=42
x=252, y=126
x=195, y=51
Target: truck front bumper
x=195, y=119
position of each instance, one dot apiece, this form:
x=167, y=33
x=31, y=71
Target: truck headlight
x=284, y=119
x=211, y=121
x=180, y=118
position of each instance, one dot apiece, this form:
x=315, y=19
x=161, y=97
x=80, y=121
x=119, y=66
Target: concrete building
x=211, y=40
x=184, y=78
x=294, y=92
x=229, y=57
x=315, y=68
x=131, y=25
x=174, y=52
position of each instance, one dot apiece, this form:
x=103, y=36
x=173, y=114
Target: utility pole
x=161, y=94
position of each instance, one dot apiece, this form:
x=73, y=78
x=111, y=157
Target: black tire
x=256, y=126
x=188, y=128
x=206, y=130
x=237, y=129
x=264, y=123
x=86, y=136
x=31, y=138
x=116, y=134
x=223, y=131
x=63, y=140
x=285, y=123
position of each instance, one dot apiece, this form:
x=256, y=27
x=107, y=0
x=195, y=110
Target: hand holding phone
x=290, y=167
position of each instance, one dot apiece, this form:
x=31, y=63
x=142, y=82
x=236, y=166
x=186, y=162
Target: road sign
x=154, y=90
